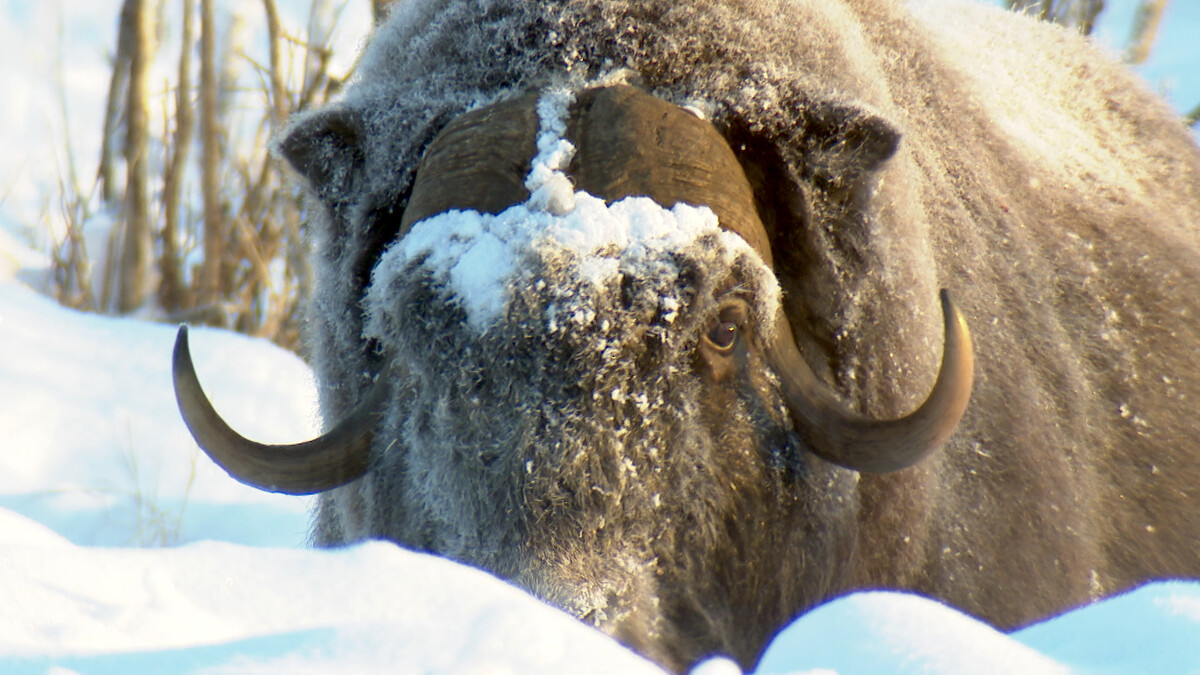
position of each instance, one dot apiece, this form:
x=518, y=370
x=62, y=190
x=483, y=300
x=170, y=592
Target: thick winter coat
x=579, y=440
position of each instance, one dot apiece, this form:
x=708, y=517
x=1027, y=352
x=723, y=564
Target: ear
x=325, y=146
x=847, y=144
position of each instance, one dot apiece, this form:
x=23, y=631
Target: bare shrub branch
x=137, y=242
x=231, y=249
x=1078, y=14
x=279, y=99
x=210, y=273
x=1145, y=30
x=116, y=96
x=172, y=296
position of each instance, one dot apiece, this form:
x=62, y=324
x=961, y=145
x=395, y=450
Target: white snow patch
x=93, y=443
x=550, y=189
x=717, y=666
x=476, y=254
x=93, y=384
x=16, y=529
x=899, y=633
x=371, y=608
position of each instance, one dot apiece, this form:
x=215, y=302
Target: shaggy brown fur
x=890, y=155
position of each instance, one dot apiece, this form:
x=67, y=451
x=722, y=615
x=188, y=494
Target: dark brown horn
x=332, y=460
x=842, y=436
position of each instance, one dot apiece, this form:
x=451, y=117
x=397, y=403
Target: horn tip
x=952, y=315
x=947, y=301
x=181, y=355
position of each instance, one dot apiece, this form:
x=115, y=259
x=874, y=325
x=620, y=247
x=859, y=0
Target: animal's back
x=1063, y=199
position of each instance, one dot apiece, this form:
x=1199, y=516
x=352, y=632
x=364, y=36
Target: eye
x=723, y=335
x=728, y=325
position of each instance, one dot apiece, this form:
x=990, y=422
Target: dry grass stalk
x=69, y=266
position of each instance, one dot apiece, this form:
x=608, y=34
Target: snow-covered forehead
x=477, y=257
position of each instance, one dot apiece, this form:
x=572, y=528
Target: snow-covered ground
x=95, y=465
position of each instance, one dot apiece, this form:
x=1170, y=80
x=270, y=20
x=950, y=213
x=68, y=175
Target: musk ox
x=636, y=305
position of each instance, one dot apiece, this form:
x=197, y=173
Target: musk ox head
x=587, y=384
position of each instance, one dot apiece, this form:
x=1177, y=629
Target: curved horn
x=839, y=435
x=331, y=460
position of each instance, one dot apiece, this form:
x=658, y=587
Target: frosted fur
x=434, y=59
x=897, y=148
